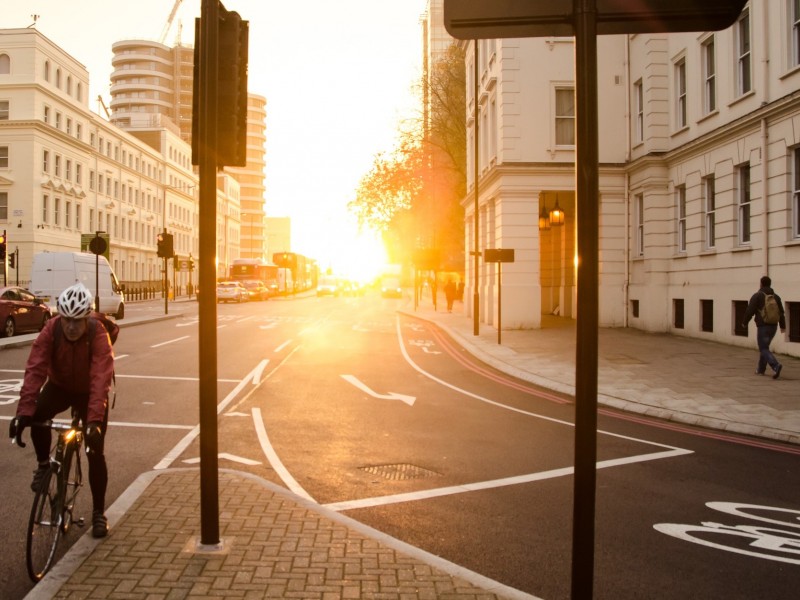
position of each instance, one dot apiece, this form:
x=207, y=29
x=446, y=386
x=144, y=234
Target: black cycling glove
x=94, y=437
x=18, y=425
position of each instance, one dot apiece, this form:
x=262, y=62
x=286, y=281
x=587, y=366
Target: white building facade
x=699, y=176
x=65, y=172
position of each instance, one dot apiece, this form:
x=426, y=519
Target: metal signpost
x=499, y=256
x=585, y=20
x=98, y=246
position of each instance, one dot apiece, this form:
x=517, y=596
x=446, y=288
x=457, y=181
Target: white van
x=53, y=272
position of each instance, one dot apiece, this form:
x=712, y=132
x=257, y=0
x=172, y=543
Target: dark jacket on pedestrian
x=756, y=304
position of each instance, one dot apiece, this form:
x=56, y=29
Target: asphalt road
x=382, y=417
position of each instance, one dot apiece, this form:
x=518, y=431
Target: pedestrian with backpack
x=71, y=365
x=767, y=308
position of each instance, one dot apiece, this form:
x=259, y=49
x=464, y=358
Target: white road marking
x=226, y=456
x=274, y=461
x=390, y=396
x=185, y=337
x=118, y=357
x=173, y=454
x=496, y=483
x=171, y=378
x=282, y=346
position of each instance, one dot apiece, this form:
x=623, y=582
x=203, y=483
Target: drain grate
x=400, y=471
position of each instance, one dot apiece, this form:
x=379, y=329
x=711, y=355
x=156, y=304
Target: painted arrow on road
x=390, y=396
x=225, y=455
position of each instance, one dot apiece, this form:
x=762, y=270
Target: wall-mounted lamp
x=544, y=217
x=556, y=215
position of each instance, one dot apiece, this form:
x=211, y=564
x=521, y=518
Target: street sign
x=88, y=238
x=491, y=19
x=498, y=255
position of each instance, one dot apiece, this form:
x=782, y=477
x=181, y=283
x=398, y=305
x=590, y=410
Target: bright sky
x=337, y=76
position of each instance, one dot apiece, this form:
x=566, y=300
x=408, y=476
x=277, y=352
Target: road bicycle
x=52, y=511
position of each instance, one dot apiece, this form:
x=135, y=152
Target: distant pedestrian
x=767, y=308
x=450, y=294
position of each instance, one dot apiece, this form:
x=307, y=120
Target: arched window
x=47, y=70
x=58, y=78
x=79, y=92
x=69, y=85
x=5, y=64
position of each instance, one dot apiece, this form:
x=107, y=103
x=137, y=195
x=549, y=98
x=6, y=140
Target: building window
x=67, y=214
x=709, y=76
x=56, y=211
x=57, y=168
x=58, y=120
x=794, y=19
x=677, y=313
x=91, y=179
x=743, y=181
x=710, y=212
x=3, y=206
x=680, y=94
x=565, y=117
x=68, y=170
x=793, y=320
x=3, y=110
x=638, y=92
x=743, y=71
x=69, y=126
x=78, y=131
x=796, y=194
x=47, y=115
x=5, y=64
x=100, y=182
x=680, y=196
x=639, y=224
x=78, y=175
x=739, y=308
x=45, y=199
x=78, y=212
x=635, y=309
x=3, y=157
x=707, y=315
x=91, y=219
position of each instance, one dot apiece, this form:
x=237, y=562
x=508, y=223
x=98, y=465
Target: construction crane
x=168, y=24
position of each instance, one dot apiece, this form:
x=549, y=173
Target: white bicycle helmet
x=75, y=302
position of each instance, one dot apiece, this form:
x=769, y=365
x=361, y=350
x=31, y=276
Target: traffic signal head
x=232, y=89
x=2, y=245
x=12, y=262
x=164, y=245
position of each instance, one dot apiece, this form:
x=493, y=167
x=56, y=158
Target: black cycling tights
x=52, y=401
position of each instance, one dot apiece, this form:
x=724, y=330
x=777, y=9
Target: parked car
x=256, y=290
x=21, y=311
x=231, y=291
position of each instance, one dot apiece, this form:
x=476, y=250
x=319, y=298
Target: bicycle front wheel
x=44, y=527
x=72, y=480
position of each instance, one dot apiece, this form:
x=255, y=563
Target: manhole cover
x=400, y=471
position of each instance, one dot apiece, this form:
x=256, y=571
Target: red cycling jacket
x=68, y=367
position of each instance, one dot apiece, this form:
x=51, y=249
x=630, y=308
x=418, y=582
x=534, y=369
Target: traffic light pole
x=206, y=159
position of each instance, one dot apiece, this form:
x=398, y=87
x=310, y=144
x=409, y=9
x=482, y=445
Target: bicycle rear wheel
x=44, y=527
x=72, y=480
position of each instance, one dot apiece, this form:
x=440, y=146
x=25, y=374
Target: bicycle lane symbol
x=778, y=544
x=9, y=390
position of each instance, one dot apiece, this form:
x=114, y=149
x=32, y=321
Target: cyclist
x=66, y=369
